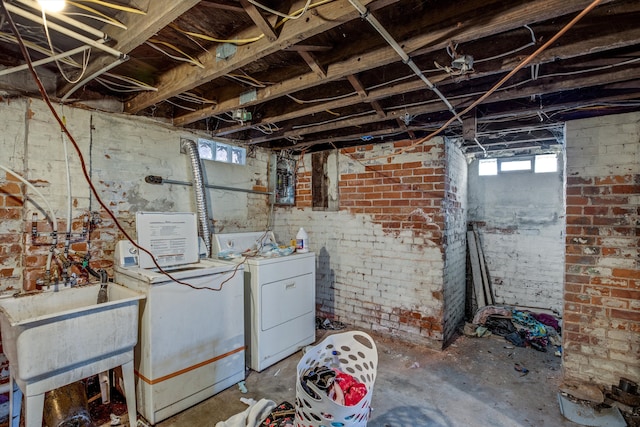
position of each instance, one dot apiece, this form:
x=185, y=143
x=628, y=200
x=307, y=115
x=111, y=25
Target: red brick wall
x=11, y=203
x=403, y=195
x=602, y=275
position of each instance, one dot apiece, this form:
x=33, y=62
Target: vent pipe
x=191, y=148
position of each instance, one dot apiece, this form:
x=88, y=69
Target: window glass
x=546, y=163
x=220, y=152
x=488, y=167
x=515, y=165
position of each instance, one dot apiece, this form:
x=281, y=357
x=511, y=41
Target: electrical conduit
x=364, y=13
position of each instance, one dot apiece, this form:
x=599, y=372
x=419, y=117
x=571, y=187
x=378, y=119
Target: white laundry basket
x=357, y=356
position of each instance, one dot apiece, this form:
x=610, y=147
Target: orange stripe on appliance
x=190, y=368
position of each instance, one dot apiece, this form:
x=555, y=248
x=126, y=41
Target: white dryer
x=279, y=297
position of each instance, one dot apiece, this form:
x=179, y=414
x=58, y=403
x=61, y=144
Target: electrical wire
x=85, y=173
x=501, y=82
x=282, y=15
x=96, y=15
x=133, y=84
x=86, y=54
x=185, y=58
x=313, y=101
x=363, y=113
x=115, y=6
x=168, y=101
x=193, y=98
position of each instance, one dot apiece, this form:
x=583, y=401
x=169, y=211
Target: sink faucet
x=103, y=296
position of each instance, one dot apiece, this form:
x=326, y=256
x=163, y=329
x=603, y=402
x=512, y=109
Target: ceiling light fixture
x=52, y=5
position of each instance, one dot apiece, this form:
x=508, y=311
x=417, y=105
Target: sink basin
x=55, y=338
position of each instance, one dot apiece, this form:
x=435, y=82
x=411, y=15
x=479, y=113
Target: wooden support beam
x=214, y=5
x=139, y=29
x=379, y=110
x=522, y=92
x=308, y=48
x=476, y=273
x=561, y=52
x=259, y=20
x=313, y=63
x=469, y=126
x=404, y=127
x=357, y=85
x=515, y=17
x=185, y=77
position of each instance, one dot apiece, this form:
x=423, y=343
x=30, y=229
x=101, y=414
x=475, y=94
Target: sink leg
x=15, y=401
x=130, y=392
x=34, y=406
x=105, y=386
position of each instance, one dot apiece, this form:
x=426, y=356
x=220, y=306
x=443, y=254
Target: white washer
x=191, y=341
x=279, y=298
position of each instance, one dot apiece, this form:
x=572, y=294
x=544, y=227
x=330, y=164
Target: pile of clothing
x=263, y=413
x=342, y=388
x=521, y=328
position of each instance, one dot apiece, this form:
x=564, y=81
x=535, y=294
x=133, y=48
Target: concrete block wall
x=119, y=151
x=381, y=257
x=602, y=273
x=520, y=218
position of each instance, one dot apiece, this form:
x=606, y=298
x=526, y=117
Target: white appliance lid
x=172, y=238
x=241, y=242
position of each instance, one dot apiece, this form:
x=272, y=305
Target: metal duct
x=191, y=148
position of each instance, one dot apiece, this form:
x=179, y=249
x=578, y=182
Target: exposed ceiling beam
x=522, y=92
x=561, y=52
x=313, y=63
x=185, y=77
x=259, y=20
x=139, y=29
x=517, y=16
x=215, y=5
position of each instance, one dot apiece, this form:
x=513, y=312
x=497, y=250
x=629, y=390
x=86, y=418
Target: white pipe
x=79, y=25
x=81, y=83
x=52, y=215
x=37, y=19
x=364, y=13
x=44, y=60
x=69, y=201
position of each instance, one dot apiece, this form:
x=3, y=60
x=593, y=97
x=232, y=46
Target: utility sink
x=55, y=338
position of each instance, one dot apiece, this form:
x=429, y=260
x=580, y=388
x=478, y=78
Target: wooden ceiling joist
x=516, y=17
x=185, y=77
x=260, y=21
x=139, y=28
x=560, y=52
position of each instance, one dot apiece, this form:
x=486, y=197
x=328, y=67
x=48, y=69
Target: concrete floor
x=472, y=383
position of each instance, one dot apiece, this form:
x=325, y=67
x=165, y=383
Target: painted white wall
x=521, y=216
x=119, y=151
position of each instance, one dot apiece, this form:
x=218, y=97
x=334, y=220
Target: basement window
x=515, y=165
x=221, y=152
x=488, y=167
x=546, y=163
x=541, y=163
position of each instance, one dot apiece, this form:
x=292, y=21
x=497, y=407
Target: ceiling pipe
x=365, y=14
x=37, y=19
x=79, y=25
x=43, y=61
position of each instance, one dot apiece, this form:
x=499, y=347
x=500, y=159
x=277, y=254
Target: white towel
x=252, y=416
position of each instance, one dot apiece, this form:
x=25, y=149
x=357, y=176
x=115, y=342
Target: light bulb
x=52, y=5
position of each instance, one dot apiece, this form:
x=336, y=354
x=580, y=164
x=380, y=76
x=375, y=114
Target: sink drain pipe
x=365, y=14
x=191, y=148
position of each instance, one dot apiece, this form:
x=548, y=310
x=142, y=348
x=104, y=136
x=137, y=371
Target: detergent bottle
x=302, y=241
